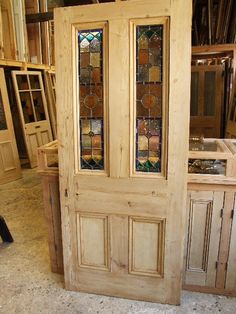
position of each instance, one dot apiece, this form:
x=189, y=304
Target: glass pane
x=149, y=63
x=27, y=107
x=38, y=106
x=91, y=99
x=209, y=93
x=194, y=94
x=207, y=166
x=34, y=82
x=3, y=122
x=22, y=81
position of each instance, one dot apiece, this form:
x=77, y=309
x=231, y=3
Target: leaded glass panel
x=149, y=85
x=90, y=44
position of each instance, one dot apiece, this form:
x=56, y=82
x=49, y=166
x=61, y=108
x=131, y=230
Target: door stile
x=177, y=172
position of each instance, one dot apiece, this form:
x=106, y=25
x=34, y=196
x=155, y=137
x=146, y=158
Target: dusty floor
x=28, y=286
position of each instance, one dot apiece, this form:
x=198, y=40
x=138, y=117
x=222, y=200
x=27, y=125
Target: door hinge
x=221, y=212
x=232, y=213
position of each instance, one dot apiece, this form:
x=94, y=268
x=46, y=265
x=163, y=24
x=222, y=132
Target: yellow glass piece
x=95, y=60
x=155, y=74
x=142, y=143
x=143, y=42
x=85, y=126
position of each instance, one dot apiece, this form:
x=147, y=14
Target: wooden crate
x=48, y=169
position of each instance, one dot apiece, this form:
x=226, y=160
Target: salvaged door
x=33, y=111
x=20, y=29
x=123, y=92
x=207, y=86
x=9, y=159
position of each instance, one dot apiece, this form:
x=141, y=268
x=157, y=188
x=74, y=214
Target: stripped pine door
x=8, y=30
x=33, y=111
x=9, y=159
x=20, y=29
x=207, y=86
x=122, y=165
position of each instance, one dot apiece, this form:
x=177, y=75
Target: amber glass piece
x=148, y=101
x=143, y=42
x=91, y=101
x=96, y=75
x=84, y=60
x=3, y=122
x=143, y=56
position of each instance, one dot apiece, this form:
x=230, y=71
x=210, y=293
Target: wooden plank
x=225, y=240
x=39, y=17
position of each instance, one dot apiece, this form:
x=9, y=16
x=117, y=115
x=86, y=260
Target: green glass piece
x=149, y=33
x=89, y=37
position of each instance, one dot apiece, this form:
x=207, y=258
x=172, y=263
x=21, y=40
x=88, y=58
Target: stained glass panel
x=149, y=63
x=91, y=98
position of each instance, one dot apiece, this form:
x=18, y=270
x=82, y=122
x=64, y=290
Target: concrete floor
x=27, y=285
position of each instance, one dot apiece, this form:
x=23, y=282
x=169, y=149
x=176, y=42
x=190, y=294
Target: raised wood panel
x=146, y=246
x=93, y=241
x=231, y=269
x=33, y=145
x=45, y=137
x=203, y=237
x=7, y=156
x=199, y=235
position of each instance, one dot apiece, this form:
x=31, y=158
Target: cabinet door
x=9, y=159
x=203, y=237
x=123, y=106
x=231, y=269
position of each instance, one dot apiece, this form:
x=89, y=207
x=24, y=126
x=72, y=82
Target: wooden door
x=20, y=29
x=33, y=111
x=50, y=83
x=123, y=191
x=8, y=30
x=231, y=121
x=34, y=33
x=206, y=108
x=202, y=237
x=9, y=160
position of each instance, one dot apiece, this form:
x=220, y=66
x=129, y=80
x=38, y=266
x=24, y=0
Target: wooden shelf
x=25, y=65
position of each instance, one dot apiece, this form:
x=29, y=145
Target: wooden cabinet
x=210, y=244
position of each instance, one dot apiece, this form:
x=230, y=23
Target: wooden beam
x=39, y=17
